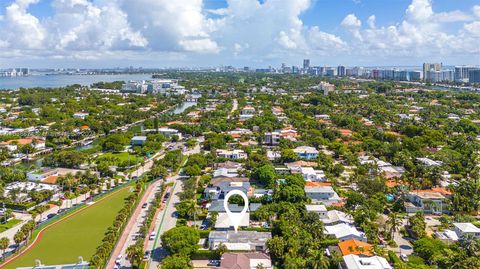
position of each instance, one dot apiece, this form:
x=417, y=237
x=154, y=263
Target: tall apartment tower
x=306, y=63
x=341, y=71
x=430, y=67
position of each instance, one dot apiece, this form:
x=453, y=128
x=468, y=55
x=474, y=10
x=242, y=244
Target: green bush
x=204, y=233
x=203, y=254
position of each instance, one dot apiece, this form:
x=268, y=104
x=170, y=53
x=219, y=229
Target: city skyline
x=196, y=33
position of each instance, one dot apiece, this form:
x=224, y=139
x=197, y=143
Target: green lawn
x=77, y=236
x=9, y=224
x=122, y=156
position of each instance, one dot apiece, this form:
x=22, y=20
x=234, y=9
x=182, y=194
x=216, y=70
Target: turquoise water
x=52, y=81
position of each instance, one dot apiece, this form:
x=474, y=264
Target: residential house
x=247, y=112
x=235, y=154
x=321, y=210
x=240, y=240
x=355, y=247
x=429, y=162
x=306, y=152
x=50, y=175
x=224, y=222
x=310, y=174
x=353, y=261
x=245, y=260
x=335, y=217
x=165, y=131
x=217, y=181
x=138, y=140
x=80, y=115
x=219, y=192
x=345, y=232
x=465, y=228
x=433, y=201
x=322, y=194
x=38, y=143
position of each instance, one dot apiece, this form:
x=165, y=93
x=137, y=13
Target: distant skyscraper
x=341, y=71
x=462, y=73
x=430, y=67
x=306, y=63
x=474, y=76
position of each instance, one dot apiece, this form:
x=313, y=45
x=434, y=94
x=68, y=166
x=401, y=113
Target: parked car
x=404, y=257
x=147, y=255
x=152, y=236
x=145, y=205
x=213, y=263
x=119, y=259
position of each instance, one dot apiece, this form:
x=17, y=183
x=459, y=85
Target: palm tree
x=19, y=237
x=134, y=254
x=4, y=243
x=317, y=260
x=394, y=222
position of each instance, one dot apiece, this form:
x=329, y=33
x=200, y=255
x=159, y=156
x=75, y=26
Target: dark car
x=49, y=216
x=145, y=205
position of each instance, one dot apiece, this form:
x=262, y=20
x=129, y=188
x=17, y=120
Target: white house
x=240, y=240
x=322, y=194
x=344, y=232
x=80, y=115
x=305, y=152
x=310, y=174
x=353, y=261
x=235, y=154
x=321, y=210
x=466, y=228
x=336, y=217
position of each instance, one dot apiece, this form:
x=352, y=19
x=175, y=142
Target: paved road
x=135, y=222
x=404, y=246
x=167, y=219
x=133, y=226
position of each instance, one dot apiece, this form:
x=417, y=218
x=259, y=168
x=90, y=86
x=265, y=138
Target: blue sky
x=156, y=33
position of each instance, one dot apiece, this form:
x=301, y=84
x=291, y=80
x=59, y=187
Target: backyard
x=78, y=235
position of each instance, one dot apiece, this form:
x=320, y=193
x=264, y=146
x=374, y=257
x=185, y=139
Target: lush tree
x=177, y=262
x=181, y=240
x=265, y=175
x=4, y=243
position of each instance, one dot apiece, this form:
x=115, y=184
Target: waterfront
x=53, y=81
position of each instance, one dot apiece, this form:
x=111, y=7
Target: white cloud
x=351, y=21
x=476, y=10
x=22, y=29
x=247, y=30
x=371, y=21
x=421, y=34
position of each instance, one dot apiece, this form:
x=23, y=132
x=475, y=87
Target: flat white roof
x=466, y=227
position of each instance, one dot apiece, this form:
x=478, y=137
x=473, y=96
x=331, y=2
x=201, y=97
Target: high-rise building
x=414, y=75
x=474, y=76
x=462, y=73
x=439, y=76
x=306, y=63
x=330, y=72
x=341, y=71
x=430, y=67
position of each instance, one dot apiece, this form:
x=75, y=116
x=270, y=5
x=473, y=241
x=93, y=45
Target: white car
x=152, y=236
x=404, y=257
x=119, y=259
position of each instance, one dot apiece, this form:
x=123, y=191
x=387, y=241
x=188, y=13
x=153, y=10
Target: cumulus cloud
x=22, y=29
x=421, y=33
x=250, y=30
